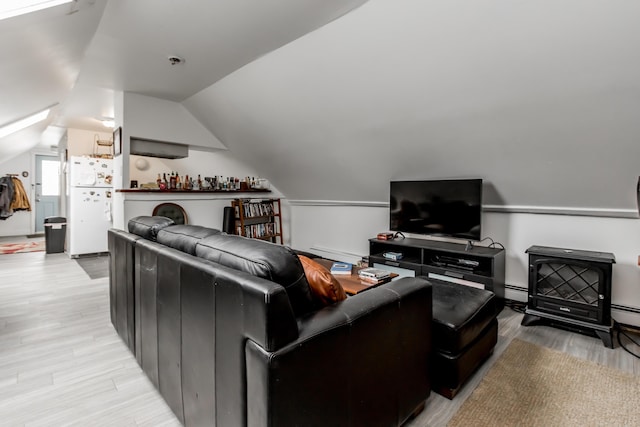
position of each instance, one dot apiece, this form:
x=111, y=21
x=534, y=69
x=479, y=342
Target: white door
x=47, y=189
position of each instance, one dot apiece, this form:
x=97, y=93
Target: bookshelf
x=258, y=219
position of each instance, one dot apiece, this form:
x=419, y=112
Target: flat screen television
x=449, y=208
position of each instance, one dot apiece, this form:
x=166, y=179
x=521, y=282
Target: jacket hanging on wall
x=6, y=197
x=13, y=197
x=20, y=200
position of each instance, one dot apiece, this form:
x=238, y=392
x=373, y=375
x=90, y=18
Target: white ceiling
x=75, y=56
x=540, y=98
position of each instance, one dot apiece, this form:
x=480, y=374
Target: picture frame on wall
x=117, y=141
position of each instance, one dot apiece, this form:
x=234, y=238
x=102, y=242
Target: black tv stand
x=479, y=266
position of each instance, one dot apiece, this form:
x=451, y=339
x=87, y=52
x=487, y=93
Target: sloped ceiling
x=215, y=38
x=540, y=99
x=78, y=55
x=332, y=99
x=41, y=56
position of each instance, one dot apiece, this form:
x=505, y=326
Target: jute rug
x=14, y=248
x=534, y=386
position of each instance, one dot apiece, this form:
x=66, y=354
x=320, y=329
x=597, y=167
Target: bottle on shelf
x=165, y=183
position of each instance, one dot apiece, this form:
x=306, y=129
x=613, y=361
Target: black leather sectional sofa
x=226, y=329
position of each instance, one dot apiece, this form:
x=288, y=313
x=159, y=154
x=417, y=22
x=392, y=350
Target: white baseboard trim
x=336, y=254
x=515, y=293
x=620, y=313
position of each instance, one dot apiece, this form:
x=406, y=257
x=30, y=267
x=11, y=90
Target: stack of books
x=374, y=276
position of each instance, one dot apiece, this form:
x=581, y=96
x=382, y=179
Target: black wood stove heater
x=571, y=289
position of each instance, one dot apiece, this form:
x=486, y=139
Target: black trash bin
x=55, y=229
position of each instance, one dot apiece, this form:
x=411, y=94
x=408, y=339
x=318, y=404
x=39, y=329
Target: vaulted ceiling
x=75, y=56
x=332, y=99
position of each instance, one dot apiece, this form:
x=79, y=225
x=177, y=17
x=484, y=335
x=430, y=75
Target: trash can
x=55, y=229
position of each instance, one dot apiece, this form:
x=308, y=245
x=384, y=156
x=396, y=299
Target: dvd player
x=461, y=262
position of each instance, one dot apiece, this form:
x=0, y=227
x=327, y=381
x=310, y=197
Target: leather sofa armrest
x=121, y=284
x=368, y=351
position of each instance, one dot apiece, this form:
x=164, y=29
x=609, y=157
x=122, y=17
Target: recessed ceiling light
x=11, y=8
x=23, y=123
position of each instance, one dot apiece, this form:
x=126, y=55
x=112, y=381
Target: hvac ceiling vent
x=165, y=150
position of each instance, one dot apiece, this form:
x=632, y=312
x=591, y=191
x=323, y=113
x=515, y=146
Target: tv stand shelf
x=480, y=266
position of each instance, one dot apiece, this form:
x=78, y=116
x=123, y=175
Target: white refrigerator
x=89, y=205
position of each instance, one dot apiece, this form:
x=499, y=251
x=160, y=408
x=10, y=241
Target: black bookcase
x=479, y=267
x=571, y=289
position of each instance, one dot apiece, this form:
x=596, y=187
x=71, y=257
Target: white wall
x=539, y=98
x=204, y=209
x=151, y=118
x=157, y=119
x=342, y=232
x=82, y=142
x=204, y=163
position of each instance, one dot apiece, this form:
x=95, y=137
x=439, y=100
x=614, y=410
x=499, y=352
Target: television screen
x=450, y=208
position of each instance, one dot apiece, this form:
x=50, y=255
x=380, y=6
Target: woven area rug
x=534, y=386
x=14, y=248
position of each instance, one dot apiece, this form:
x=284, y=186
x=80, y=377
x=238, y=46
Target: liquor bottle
x=172, y=181
x=159, y=181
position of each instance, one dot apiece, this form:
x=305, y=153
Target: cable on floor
x=516, y=306
x=619, y=332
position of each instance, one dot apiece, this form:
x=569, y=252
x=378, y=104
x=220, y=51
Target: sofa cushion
x=148, y=226
x=267, y=260
x=184, y=237
x=324, y=287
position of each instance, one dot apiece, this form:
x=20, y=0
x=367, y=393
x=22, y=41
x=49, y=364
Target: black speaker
x=227, y=220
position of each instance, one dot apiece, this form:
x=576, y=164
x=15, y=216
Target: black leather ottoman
x=465, y=330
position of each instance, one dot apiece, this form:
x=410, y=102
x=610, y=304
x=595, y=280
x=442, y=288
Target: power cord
x=493, y=243
x=516, y=306
x=636, y=343
x=398, y=233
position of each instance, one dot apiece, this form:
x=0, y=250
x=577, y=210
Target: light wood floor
x=61, y=362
